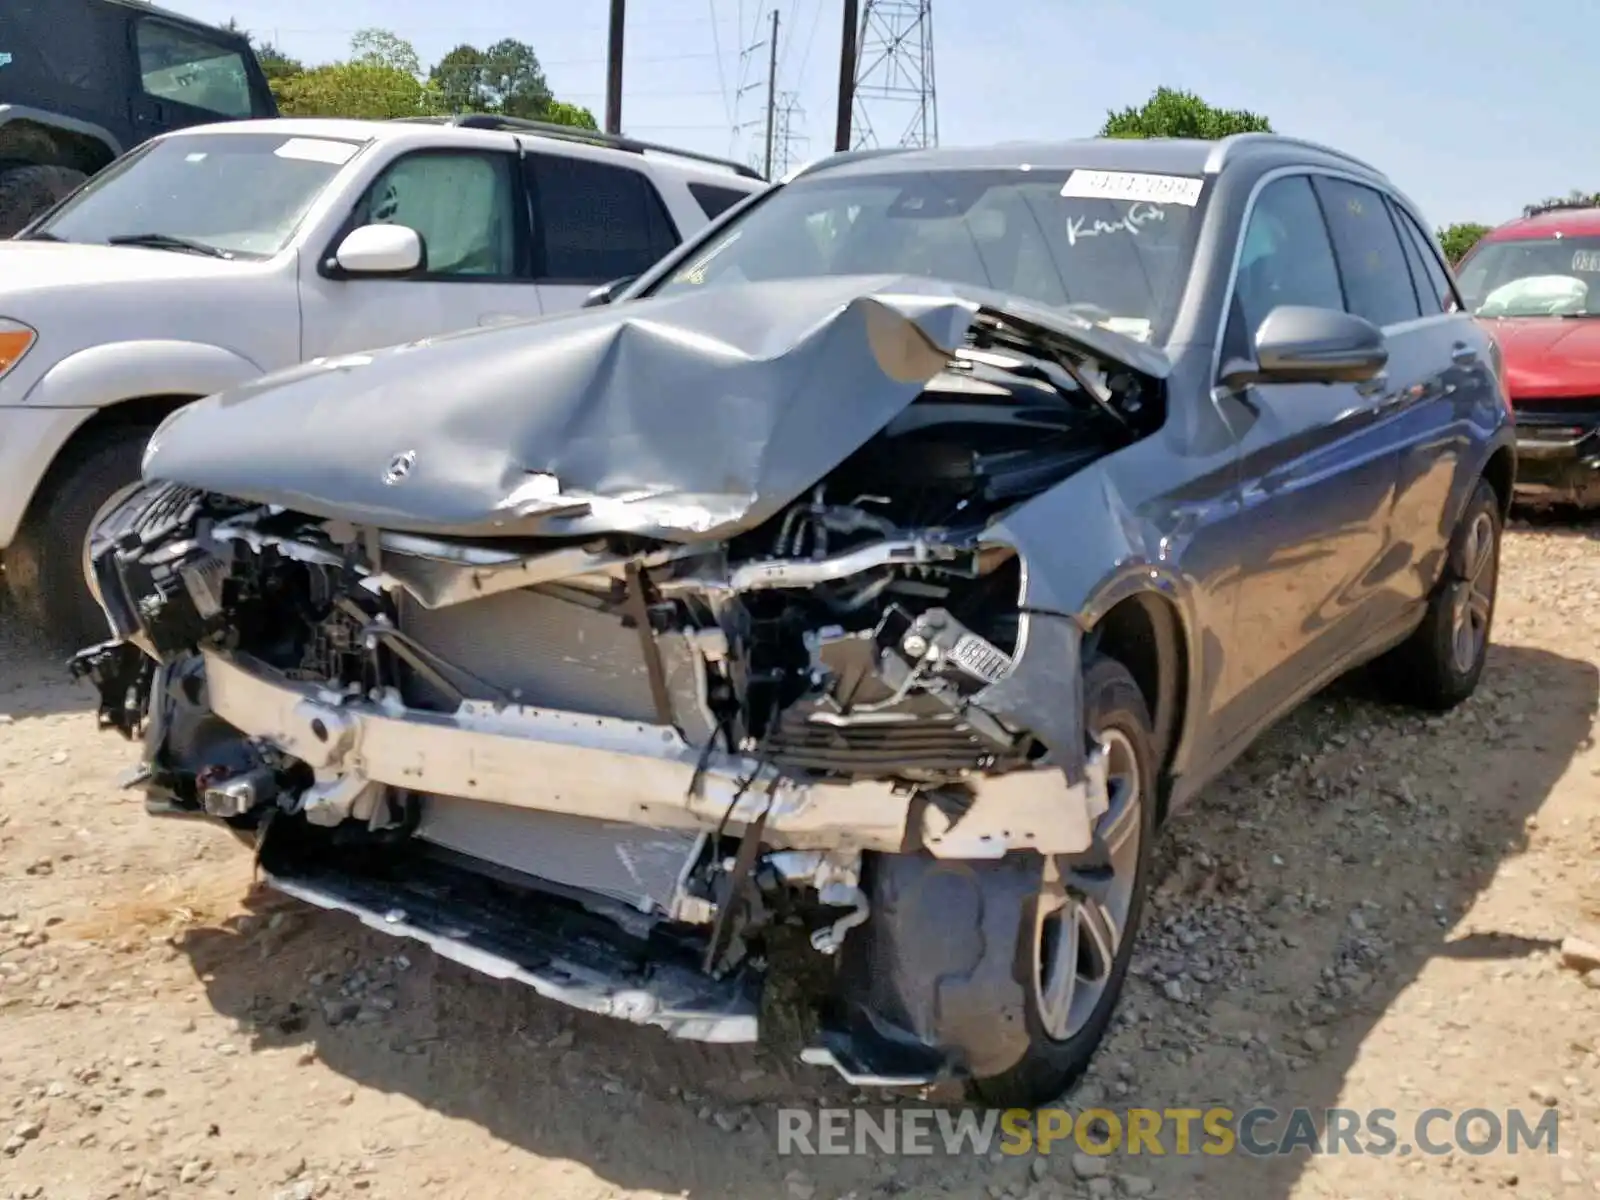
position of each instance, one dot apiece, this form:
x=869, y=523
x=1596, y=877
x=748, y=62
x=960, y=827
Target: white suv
x=211, y=256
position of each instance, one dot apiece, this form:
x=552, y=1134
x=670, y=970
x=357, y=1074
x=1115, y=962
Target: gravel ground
x=1365, y=912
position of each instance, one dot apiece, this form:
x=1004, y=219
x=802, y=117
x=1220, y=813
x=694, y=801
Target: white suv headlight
x=16, y=339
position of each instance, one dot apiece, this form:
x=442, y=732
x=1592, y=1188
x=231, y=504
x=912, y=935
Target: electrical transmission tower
x=789, y=138
x=895, y=96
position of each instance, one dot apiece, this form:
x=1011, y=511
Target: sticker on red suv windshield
x=1130, y=185
x=1586, y=260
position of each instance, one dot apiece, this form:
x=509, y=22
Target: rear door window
x=1372, y=262
x=714, y=200
x=185, y=67
x=593, y=221
x=1435, y=279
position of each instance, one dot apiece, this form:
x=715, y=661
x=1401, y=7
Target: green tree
x=562, y=113
x=275, y=64
x=381, y=80
x=352, y=89
x=458, y=80
x=515, y=79
x=506, y=78
x=383, y=48
x=1455, y=240
x=1173, y=113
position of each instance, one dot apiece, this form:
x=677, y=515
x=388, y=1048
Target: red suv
x=1535, y=282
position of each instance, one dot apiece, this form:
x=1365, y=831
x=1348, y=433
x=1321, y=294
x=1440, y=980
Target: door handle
x=1463, y=355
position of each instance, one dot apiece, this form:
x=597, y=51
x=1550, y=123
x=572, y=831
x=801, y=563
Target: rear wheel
x=25, y=192
x=1079, y=937
x=45, y=564
x=1440, y=664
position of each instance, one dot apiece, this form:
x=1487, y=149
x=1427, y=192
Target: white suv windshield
x=234, y=194
x=1119, y=263
x=1535, y=277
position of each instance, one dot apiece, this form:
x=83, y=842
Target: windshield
x=1544, y=277
x=242, y=194
x=1118, y=257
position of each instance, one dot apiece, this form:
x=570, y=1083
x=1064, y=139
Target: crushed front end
x=649, y=777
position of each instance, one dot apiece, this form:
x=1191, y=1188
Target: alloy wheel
x=1474, y=595
x=1081, y=926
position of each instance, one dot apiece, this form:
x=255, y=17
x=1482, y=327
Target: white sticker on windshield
x=197, y=156
x=1587, y=261
x=316, y=150
x=1129, y=185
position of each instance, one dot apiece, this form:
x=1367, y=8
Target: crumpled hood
x=35, y=266
x=685, y=417
x=1549, y=357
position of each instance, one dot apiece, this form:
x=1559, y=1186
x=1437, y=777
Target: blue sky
x=1473, y=108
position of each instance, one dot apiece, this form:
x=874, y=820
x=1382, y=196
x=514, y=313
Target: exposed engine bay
x=643, y=774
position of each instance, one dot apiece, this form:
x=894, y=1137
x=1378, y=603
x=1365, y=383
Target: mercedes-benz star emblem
x=399, y=467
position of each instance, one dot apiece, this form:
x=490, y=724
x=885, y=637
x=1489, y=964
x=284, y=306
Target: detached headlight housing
x=16, y=339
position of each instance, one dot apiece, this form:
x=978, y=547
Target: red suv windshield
x=1533, y=277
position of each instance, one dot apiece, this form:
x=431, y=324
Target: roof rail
x=572, y=133
x=1221, y=152
x=841, y=158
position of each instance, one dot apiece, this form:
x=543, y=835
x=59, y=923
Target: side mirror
x=607, y=292
x=380, y=250
x=1298, y=344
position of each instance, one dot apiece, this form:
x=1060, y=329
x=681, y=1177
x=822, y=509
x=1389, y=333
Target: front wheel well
x=1144, y=634
x=140, y=413
x=1500, y=474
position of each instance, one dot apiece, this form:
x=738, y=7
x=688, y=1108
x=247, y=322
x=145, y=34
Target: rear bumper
x=632, y=772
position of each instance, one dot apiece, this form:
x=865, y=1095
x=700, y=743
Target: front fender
x=1085, y=548
x=104, y=375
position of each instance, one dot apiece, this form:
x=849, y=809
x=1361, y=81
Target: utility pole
x=772, y=89
x=847, y=74
x=614, y=69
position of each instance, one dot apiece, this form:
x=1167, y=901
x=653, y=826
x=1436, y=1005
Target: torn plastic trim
x=643, y=774
x=663, y=1005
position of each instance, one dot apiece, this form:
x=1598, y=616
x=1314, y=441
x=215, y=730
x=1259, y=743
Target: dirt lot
x=1362, y=913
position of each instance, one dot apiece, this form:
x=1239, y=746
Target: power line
x=722, y=77
x=643, y=95
x=811, y=37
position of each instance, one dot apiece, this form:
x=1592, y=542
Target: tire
x=25, y=192
x=1440, y=664
x=1058, y=1054
x=44, y=565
